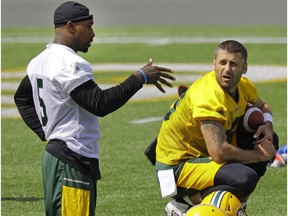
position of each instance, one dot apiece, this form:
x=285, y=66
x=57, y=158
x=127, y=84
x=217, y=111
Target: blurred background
x=33, y=13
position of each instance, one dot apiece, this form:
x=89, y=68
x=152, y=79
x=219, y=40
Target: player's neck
x=234, y=95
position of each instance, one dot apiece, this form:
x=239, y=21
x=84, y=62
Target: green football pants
x=67, y=192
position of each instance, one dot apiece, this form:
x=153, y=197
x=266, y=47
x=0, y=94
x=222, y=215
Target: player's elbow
x=218, y=159
x=219, y=156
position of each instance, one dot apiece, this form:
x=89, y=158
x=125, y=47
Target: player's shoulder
x=245, y=81
x=207, y=79
x=54, y=53
x=65, y=57
x=207, y=87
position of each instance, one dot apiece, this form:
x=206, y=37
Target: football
x=252, y=119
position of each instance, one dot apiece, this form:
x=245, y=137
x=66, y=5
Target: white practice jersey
x=53, y=74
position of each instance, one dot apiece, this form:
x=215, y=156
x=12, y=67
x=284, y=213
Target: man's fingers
x=163, y=69
x=160, y=88
x=256, y=142
x=150, y=62
x=167, y=76
x=256, y=135
x=165, y=82
x=158, y=75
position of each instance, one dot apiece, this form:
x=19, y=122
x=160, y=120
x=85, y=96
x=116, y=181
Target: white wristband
x=268, y=117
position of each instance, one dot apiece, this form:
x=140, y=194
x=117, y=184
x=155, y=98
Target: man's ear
x=214, y=62
x=245, y=68
x=70, y=26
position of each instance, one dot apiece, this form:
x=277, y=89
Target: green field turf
x=128, y=185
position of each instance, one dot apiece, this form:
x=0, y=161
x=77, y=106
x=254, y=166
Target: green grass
x=276, y=95
x=128, y=185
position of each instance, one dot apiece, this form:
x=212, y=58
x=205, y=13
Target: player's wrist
x=258, y=156
x=268, y=117
x=144, y=75
x=141, y=76
x=269, y=124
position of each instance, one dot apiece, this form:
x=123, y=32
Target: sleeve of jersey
x=74, y=75
x=102, y=102
x=201, y=113
x=24, y=101
x=209, y=106
x=207, y=100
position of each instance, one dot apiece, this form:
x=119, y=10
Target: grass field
x=128, y=185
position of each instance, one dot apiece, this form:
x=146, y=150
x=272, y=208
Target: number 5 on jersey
x=41, y=102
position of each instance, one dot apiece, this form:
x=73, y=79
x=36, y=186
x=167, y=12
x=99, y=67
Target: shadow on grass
x=22, y=199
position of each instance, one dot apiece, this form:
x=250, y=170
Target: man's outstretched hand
x=155, y=75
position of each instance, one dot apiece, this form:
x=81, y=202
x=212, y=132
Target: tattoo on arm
x=213, y=130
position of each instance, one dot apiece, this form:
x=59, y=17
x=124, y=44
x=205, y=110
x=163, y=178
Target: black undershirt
x=88, y=166
x=235, y=95
x=102, y=102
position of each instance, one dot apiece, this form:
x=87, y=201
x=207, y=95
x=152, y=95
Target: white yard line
x=255, y=73
x=274, y=69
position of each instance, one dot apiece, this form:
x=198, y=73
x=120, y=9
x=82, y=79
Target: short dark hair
x=233, y=46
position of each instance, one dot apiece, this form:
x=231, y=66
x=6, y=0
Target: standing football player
x=61, y=103
x=198, y=150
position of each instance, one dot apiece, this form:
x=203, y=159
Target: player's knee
x=240, y=178
x=248, y=181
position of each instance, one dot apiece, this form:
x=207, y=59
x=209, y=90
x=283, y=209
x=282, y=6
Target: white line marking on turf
x=255, y=73
x=175, y=66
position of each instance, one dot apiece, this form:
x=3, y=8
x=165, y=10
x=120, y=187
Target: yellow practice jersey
x=180, y=137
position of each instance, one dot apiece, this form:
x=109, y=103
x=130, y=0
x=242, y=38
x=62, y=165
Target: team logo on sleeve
x=75, y=68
